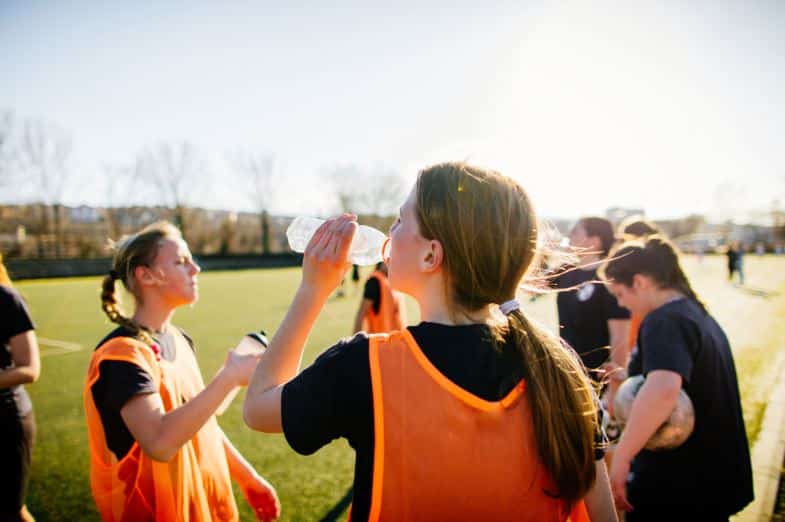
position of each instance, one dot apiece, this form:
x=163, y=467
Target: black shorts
x=16, y=449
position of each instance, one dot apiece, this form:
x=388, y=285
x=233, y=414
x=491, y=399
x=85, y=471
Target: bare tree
x=258, y=171
x=120, y=184
x=176, y=171
x=42, y=156
x=371, y=190
x=8, y=148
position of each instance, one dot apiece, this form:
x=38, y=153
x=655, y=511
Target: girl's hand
x=262, y=498
x=239, y=367
x=620, y=468
x=325, y=260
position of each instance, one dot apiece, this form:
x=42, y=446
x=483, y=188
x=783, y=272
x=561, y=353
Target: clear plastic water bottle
x=366, y=248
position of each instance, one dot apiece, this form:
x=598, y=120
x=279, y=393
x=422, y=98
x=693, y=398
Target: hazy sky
x=587, y=104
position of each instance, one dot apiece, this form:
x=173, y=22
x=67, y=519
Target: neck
x=435, y=308
x=663, y=296
x=154, y=316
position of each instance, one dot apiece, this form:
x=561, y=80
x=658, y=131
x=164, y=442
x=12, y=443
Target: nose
x=195, y=268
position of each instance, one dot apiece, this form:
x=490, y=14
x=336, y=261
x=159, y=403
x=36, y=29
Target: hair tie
x=509, y=306
x=114, y=275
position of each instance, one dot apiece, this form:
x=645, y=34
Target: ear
x=641, y=282
x=145, y=276
x=433, y=258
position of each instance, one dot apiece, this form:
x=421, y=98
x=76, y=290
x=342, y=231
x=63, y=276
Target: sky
x=672, y=107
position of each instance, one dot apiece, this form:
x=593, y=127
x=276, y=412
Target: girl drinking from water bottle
x=156, y=450
x=473, y=414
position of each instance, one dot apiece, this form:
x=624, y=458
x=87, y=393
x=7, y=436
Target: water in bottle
x=366, y=248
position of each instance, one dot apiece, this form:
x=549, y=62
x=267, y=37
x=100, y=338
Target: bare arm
x=27, y=363
x=599, y=500
x=652, y=407
x=362, y=313
x=161, y=434
x=619, y=331
x=324, y=263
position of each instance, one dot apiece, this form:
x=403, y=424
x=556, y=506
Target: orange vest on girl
x=194, y=486
x=388, y=319
x=442, y=453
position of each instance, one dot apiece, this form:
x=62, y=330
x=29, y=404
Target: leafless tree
x=42, y=157
x=258, y=171
x=8, y=148
x=374, y=190
x=176, y=171
x=120, y=183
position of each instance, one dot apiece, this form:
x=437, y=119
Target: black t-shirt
x=584, y=314
x=333, y=397
x=712, y=468
x=373, y=291
x=118, y=381
x=14, y=320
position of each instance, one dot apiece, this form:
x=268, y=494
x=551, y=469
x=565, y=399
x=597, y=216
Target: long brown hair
x=488, y=230
x=5, y=279
x=655, y=257
x=132, y=251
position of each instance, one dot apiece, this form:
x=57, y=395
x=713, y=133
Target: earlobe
x=433, y=259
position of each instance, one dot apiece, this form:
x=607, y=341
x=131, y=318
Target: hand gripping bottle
x=252, y=343
x=366, y=248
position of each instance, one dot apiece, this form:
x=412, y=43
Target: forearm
x=651, y=408
x=282, y=359
x=358, y=322
x=181, y=424
x=18, y=375
x=239, y=468
x=599, y=500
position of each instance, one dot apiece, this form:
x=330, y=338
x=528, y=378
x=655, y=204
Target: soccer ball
x=673, y=432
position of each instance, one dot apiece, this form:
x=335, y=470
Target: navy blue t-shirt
x=712, y=468
x=333, y=397
x=584, y=312
x=14, y=320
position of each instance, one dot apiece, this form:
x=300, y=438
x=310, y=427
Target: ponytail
x=655, y=257
x=562, y=404
x=110, y=306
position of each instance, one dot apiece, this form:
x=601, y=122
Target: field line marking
x=60, y=347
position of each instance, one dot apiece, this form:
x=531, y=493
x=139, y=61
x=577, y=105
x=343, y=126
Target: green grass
x=233, y=303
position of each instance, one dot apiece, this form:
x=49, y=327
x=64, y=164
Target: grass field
x=70, y=322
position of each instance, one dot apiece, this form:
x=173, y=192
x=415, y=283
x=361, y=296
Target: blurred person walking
x=382, y=309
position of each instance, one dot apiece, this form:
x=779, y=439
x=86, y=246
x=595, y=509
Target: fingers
x=332, y=241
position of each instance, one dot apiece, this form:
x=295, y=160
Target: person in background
x=355, y=279
x=590, y=320
x=680, y=346
x=476, y=413
x=382, y=309
x=19, y=365
x=156, y=450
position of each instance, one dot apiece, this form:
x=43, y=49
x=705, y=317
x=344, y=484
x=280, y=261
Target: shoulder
x=347, y=351
x=120, y=331
x=10, y=298
x=187, y=338
x=120, y=346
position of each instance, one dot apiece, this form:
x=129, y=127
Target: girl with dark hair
x=156, y=450
x=19, y=365
x=680, y=346
x=590, y=320
x=473, y=414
